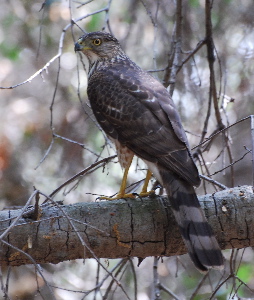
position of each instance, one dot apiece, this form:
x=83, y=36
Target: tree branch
x=123, y=228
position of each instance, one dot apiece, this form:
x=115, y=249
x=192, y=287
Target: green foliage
x=221, y=296
x=190, y=282
x=201, y=297
x=8, y=21
x=194, y=3
x=245, y=272
x=10, y=51
x=95, y=23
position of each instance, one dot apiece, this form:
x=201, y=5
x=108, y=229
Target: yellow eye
x=97, y=42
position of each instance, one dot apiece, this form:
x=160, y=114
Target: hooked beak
x=78, y=47
x=81, y=46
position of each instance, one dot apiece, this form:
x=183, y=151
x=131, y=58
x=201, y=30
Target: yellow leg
x=148, y=177
x=121, y=193
x=124, y=180
x=144, y=191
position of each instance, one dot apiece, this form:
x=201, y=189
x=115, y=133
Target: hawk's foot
x=118, y=196
x=145, y=194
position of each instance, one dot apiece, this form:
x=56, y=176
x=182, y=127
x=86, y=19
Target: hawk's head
x=98, y=45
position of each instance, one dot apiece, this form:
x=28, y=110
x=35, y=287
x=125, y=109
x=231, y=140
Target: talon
x=118, y=196
x=145, y=194
x=135, y=194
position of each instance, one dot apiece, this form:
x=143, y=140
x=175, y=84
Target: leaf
x=245, y=272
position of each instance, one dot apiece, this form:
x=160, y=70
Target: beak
x=78, y=47
x=81, y=46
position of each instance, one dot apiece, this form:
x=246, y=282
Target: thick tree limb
x=113, y=229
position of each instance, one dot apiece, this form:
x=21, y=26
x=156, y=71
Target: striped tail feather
x=197, y=234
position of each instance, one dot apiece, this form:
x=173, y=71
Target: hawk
x=137, y=113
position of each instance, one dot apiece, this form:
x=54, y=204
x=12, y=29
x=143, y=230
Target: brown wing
x=134, y=108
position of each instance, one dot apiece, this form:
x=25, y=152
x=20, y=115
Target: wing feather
x=137, y=110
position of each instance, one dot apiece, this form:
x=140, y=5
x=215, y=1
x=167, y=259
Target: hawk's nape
x=137, y=112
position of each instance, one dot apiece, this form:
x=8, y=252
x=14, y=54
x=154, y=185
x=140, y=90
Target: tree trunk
x=122, y=228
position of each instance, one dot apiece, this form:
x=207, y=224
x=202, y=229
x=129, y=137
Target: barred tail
x=202, y=245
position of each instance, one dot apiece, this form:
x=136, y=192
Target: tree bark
x=122, y=228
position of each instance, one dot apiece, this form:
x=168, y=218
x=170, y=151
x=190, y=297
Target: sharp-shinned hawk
x=137, y=113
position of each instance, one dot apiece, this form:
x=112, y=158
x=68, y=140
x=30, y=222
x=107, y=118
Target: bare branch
x=39, y=72
x=133, y=227
x=222, y=186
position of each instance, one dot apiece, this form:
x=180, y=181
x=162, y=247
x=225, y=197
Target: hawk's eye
x=97, y=42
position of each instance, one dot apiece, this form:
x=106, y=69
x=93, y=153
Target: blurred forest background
x=48, y=133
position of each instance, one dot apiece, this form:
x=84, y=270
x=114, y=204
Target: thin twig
x=192, y=53
x=97, y=281
x=171, y=294
x=252, y=143
x=76, y=143
x=39, y=72
x=134, y=279
x=211, y=60
x=33, y=262
x=233, y=163
x=60, y=47
x=108, y=290
x=81, y=173
x=194, y=294
x=156, y=282
x=46, y=154
x=214, y=134
x=177, y=46
x=82, y=3
x=222, y=186
x=19, y=216
x=82, y=241
x=219, y=286
x=107, y=17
